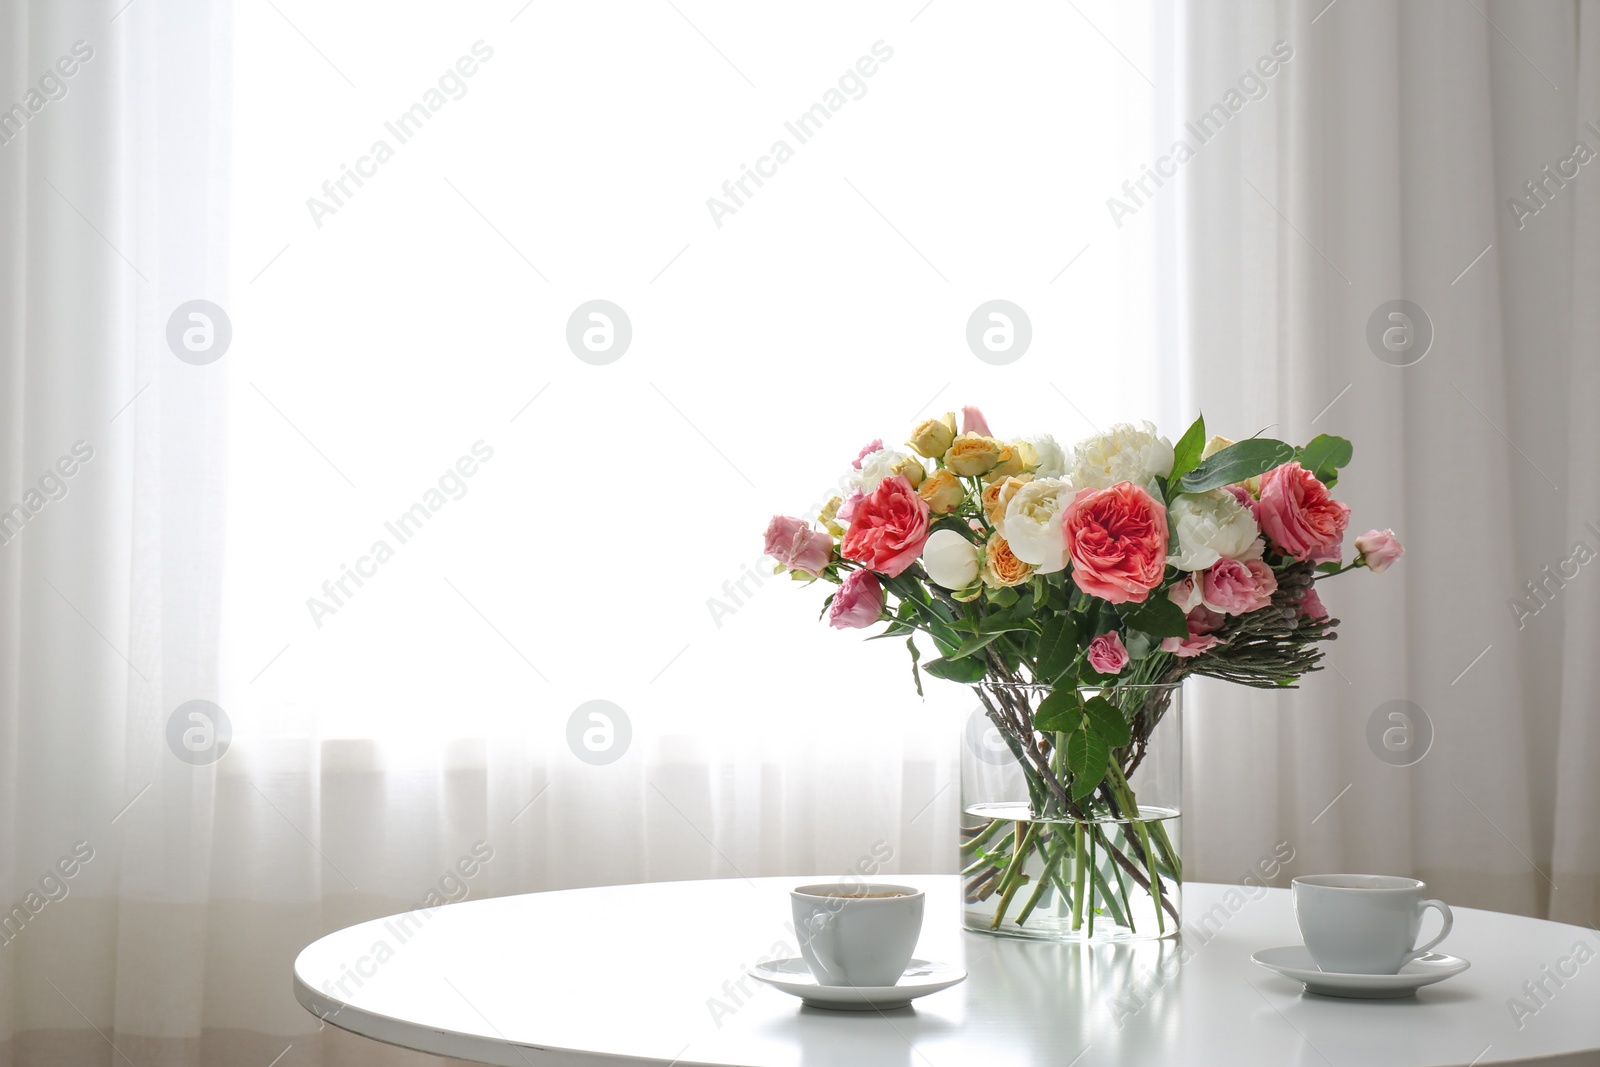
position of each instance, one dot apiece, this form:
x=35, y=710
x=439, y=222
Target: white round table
x=654, y=974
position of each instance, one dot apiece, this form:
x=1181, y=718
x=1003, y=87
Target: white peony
x=876, y=466
x=1212, y=526
x=1125, y=454
x=950, y=559
x=1032, y=524
x=1052, y=459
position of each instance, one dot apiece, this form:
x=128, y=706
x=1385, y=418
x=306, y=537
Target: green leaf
x=1058, y=647
x=956, y=670
x=1002, y=624
x=976, y=643
x=1236, y=463
x=1186, y=453
x=1087, y=756
x=916, y=655
x=1330, y=568
x=1158, y=617
x=1059, y=712
x=1004, y=596
x=896, y=629
x=1324, y=455
x=1106, y=721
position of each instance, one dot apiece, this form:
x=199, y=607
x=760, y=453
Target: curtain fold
x=1385, y=165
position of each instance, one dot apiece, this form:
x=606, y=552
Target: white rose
x=1125, y=454
x=1052, y=459
x=876, y=466
x=950, y=559
x=1211, y=526
x=1032, y=524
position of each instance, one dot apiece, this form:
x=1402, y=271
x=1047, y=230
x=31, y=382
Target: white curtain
x=413, y=746
x=1389, y=159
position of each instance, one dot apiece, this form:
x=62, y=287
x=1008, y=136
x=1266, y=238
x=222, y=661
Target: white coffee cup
x=1364, y=923
x=859, y=934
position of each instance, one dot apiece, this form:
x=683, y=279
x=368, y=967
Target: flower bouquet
x=1075, y=593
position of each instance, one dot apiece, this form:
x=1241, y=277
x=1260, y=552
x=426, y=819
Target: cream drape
x=1389, y=161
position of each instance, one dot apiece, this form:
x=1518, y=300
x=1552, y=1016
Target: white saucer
x=795, y=978
x=1294, y=961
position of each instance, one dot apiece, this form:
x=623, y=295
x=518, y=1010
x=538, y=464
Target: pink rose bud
x=1185, y=594
x=858, y=603
x=875, y=445
x=1107, y=654
x=1311, y=605
x=1203, y=625
x=972, y=421
x=1379, y=549
x=797, y=546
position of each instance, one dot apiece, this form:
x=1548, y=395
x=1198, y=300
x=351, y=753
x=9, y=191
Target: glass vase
x=1047, y=857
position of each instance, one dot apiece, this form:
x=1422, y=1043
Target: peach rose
x=1000, y=567
x=1299, y=517
x=942, y=492
x=972, y=454
x=1117, y=541
x=888, y=527
x=997, y=495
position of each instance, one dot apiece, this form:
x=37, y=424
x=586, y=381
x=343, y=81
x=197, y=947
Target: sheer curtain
x=387, y=728
x=1389, y=160
x=113, y=173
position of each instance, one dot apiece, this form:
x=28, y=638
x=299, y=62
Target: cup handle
x=1444, y=931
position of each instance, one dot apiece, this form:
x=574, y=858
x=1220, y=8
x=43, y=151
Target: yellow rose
x=1015, y=458
x=972, y=454
x=912, y=470
x=830, y=511
x=1215, y=445
x=1000, y=567
x=932, y=436
x=997, y=494
x=942, y=492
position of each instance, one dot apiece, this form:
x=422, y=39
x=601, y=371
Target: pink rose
x=1242, y=495
x=1203, y=624
x=1107, y=654
x=797, y=546
x=1117, y=541
x=1266, y=579
x=888, y=527
x=858, y=603
x=1311, y=605
x=1379, y=549
x=1185, y=594
x=847, y=510
x=1229, y=587
x=875, y=445
x=972, y=421
x=1299, y=517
